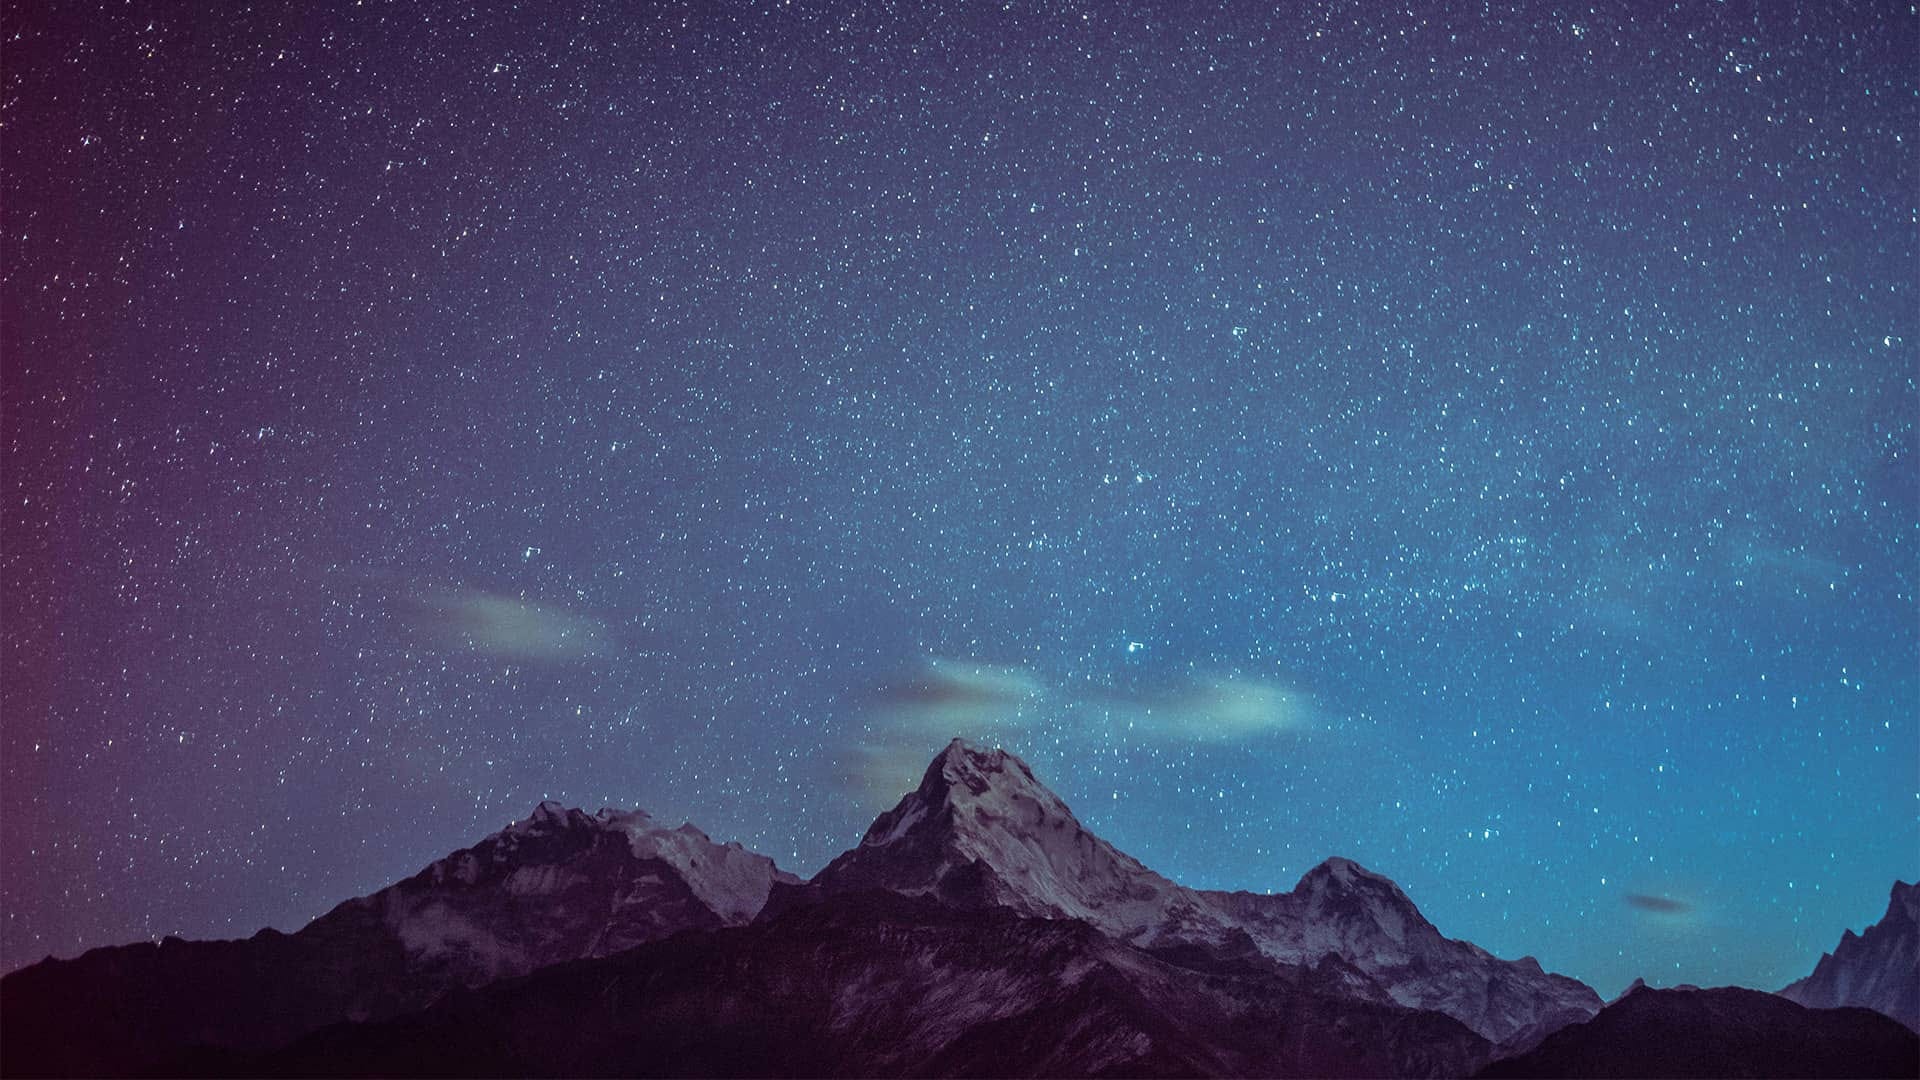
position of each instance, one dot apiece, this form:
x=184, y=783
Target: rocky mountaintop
x=1878, y=969
x=982, y=831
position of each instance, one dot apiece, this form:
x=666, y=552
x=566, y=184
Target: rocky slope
x=558, y=886
x=1878, y=969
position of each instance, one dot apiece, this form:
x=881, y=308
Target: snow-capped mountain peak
x=562, y=884
x=726, y=877
x=982, y=785
x=982, y=830
x=1341, y=892
x=729, y=880
x=1344, y=872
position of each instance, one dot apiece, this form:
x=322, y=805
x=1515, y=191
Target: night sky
x=1478, y=440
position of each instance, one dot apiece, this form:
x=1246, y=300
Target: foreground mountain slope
x=982, y=831
x=1721, y=1032
x=558, y=886
x=874, y=983
x=1878, y=969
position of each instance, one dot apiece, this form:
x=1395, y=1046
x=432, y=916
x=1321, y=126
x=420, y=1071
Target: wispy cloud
x=908, y=717
x=1658, y=905
x=1211, y=711
x=507, y=627
x=960, y=685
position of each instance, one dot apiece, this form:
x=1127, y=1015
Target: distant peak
x=1904, y=895
x=553, y=814
x=1641, y=985
x=1635, y=987
x=1342, y=884
x=1344, y=872
x=962, y=754
x=965, y=765
x=958, y=751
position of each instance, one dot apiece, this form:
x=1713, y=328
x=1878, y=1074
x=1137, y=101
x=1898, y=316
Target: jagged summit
x=1339, y=877
x=962, y=759
x=1345, y=871
x=982, y=830
x=984, y=782
x=965, y=771
x=727, y=879
x=1878, y=968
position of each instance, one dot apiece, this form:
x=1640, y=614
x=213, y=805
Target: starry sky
x=1474, y=439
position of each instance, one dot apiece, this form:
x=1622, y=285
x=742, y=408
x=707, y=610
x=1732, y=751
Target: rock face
x=872, y=983
x=1722, y=1032
x=1878, y=969
x=560, y=885
x=982, y=831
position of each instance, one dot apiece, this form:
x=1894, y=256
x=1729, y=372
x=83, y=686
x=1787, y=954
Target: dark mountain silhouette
x=1728, y=1031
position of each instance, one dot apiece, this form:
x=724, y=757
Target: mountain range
x=977, y=928
x=982, y=831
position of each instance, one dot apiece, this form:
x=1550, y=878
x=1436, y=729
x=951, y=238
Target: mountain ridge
x=559, y=885
x=1722, y=1031
x=874, y=982
x=1878, y=969
x=982, y=829
x=978, y=911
